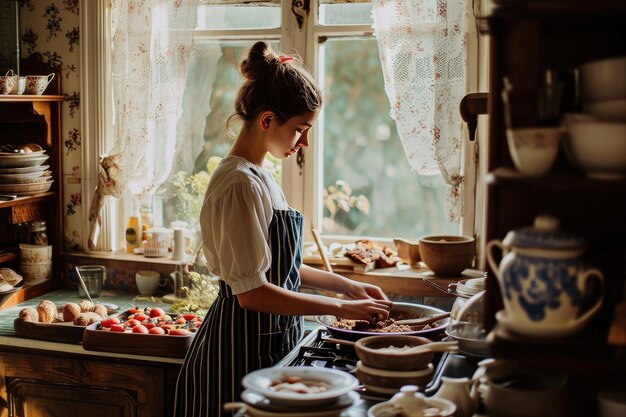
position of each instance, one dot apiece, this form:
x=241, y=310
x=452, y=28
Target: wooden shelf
x=30, y=199
x=28, y=291
x=7, y=256
x=585, y=351
x=563, y=182
x=28, y=98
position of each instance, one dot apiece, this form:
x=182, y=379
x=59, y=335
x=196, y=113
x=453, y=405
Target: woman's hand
x=355, y=290
x=366, y=309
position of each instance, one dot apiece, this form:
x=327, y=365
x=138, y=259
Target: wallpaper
x=51, y=28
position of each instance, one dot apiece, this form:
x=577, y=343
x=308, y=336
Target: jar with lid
x=38, y=233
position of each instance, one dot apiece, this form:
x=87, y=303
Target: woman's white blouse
x=235, y=219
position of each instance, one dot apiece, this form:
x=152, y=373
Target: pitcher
x=462, y=392
x=543, y=280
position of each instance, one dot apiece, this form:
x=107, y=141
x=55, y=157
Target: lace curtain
x=422, y=47
x=151, y=42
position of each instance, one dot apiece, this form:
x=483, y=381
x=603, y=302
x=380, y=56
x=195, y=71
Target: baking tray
x=135, y=343
x=64, y=332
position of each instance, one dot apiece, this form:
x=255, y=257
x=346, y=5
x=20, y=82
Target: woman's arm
x=270, y=298
x=324, y=280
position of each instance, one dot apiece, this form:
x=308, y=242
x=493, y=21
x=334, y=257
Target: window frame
x=301, y=183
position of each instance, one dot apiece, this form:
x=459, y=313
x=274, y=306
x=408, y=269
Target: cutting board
x=339, y=262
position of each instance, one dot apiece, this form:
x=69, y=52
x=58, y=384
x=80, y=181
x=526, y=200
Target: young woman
x=253, y=241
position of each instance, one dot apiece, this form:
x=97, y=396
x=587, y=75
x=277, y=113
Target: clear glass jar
x=38, y=233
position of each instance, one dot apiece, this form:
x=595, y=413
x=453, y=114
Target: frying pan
x=409, y=309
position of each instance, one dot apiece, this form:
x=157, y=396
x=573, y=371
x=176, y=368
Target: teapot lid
x=546, y=234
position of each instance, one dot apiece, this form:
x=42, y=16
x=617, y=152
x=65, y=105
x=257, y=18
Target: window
x=354, y=180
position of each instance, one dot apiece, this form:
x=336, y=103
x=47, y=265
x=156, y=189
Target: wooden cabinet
x=526, y=39
x=33, y=119
x=55, y=386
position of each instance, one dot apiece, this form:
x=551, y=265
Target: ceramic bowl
x=408, y=250
x=389, y=382
x=33, y=254
x=447, y=254
x=608, y=110
x=373, y=352
x=603, y=79
x=337, y=383
x=386, y=409
x=36, y=271
x=598, y=147
x=534, y=149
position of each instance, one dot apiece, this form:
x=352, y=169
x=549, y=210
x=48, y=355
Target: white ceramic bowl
x=603, y=80
x=36, y=271
x=385, y=409
x=534, y=149
x=337, y=384
x=598, y=147
x=609, y=110
x=35, y=254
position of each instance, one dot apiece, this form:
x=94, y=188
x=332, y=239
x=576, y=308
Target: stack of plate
x=23, y=173
x=262, y=398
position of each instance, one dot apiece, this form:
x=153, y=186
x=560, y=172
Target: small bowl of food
x=393, y=353
x=447, y=254
x=300, y=386
x=389, y=382
x=408, y=402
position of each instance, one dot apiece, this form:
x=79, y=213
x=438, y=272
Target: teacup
x=36, y=84
x=19, y=86
x=7, y=82
x=533, y=149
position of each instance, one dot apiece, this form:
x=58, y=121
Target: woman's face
x=286, y=139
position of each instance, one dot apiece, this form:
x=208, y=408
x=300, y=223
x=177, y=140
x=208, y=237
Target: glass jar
x=38, y=234
x=93, y=276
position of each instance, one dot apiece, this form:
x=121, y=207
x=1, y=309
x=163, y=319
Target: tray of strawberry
x=146, y=331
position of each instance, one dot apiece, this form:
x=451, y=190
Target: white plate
x=385, y=409
x=555, y=332
x=24, y=170
x=261, y=402
x=18, y=181
x=7, y=162
x=25, y=189
x=339, y=383
x=21, y=155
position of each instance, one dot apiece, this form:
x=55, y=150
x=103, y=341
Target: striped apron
x=233, y=341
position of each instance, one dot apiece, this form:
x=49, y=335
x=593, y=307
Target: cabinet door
x=43, y=399
x=44, y=386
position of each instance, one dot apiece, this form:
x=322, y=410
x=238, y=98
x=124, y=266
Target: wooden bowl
x=375, y=352
x=447, y=254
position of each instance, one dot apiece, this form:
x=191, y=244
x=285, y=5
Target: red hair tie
x=284, y=58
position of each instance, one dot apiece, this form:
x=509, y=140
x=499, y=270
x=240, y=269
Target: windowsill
x=122, y=256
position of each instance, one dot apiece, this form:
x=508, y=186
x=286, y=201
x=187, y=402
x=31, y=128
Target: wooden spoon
x=434, y=347
x=423, y=320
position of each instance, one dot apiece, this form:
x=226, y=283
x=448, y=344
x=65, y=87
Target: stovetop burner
x=321, y=350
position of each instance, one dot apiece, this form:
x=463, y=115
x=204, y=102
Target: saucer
x=562, y=330
x=261, y=403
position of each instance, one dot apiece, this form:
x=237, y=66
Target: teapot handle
x=582, y=279
x=492, y=263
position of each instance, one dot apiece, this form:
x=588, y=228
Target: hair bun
x=261, y=62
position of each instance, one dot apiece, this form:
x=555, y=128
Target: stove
x=320, y=349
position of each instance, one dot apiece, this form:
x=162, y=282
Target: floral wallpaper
x=52, y=28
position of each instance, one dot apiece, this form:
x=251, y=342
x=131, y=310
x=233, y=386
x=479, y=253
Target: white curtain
x=152, y=41
x=422, y=46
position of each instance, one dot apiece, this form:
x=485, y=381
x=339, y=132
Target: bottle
x=38, y=235
x=134, y=232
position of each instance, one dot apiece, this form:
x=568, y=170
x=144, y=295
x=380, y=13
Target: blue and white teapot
x=543, y=280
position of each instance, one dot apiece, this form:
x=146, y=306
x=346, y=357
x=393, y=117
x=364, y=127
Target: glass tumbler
x=94, y=276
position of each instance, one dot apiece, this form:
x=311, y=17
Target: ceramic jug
x=543, y=280
x=462, y=392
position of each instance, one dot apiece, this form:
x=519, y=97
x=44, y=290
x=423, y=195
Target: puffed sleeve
x=236, y=239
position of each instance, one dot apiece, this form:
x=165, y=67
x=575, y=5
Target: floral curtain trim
x=152, y=41
x=422, y=47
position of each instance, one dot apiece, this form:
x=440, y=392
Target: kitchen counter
x=10, y=341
